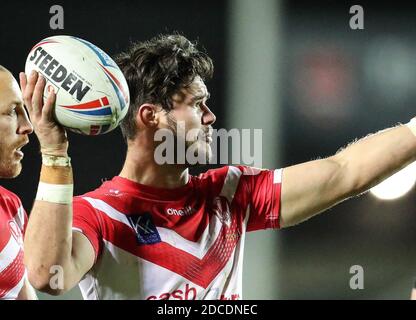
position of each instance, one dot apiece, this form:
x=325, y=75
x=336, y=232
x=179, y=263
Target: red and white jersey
x=13, y=220
x=184, y=243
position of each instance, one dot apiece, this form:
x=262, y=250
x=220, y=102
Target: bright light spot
x=397, y=185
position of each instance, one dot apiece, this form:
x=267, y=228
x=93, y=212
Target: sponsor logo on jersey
x=187, y=211
x=188, y=293
x=146, y=232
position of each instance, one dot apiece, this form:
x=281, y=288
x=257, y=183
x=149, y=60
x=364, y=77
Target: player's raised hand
x=52, y=136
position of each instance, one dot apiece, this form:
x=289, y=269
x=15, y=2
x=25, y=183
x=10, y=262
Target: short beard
x=9, y=171
x=173, y=126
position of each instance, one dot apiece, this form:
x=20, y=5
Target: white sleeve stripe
x=231, y=183
x=9, y=253
x=77, y=229
x=277, y=176
x=19, y=218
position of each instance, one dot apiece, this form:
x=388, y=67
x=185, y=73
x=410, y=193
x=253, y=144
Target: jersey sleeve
x=22, y=218
x=263, y=195
x=11, y=203
x=85, y=220
x=21, y=215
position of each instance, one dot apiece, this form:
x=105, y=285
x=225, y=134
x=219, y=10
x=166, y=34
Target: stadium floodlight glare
x=397, y=185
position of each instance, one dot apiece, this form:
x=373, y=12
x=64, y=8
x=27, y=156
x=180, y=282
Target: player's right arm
x=312, y=187
x=50, y=244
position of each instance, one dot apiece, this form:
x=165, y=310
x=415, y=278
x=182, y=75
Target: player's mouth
x=208, y=135
x=19, y=154
x=208, y=138
x=18, y=151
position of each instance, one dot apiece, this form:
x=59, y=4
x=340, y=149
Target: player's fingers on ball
x=30, y=86
x=37, y=98
x=23, y=81
x=47, y=111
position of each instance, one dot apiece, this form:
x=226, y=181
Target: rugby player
x=15, y=128
x=157, y=232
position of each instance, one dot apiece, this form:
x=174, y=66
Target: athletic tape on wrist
x=412, y=125
x=56, y=193
x=56, y=161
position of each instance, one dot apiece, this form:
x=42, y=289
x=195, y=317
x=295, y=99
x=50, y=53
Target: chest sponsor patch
x=146, y=232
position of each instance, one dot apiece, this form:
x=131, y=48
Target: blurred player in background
x=155, y=231
x=14, y=130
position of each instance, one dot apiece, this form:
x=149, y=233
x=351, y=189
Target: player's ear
x=147, y=115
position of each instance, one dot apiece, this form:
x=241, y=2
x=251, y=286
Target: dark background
x=336, y=85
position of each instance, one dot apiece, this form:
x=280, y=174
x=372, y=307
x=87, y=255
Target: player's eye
x=12, y=111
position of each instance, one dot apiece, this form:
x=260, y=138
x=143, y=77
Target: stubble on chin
x=10, y=170
x=198, y=144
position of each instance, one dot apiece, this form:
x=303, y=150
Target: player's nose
x=24, y=125
x=208, y=117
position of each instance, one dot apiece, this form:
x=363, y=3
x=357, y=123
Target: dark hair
x=157, y=69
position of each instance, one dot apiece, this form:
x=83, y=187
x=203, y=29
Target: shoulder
x=104, y=190
x=213, y=175
x=222, y=180
x=9, y=199
x=11, y=205
x=108, y=194
x=223, y=175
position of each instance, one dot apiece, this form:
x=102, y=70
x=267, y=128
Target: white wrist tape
x=56, y=193
x=412, y=125
x=56, y=161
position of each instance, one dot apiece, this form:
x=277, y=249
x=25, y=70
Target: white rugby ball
x=92, y=95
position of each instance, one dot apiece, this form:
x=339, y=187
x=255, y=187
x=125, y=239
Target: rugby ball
x=92, y=95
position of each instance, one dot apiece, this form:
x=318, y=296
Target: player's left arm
x=312, y=187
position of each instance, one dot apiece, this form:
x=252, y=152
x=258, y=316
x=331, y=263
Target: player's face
x=190, y=108
x=14, y=126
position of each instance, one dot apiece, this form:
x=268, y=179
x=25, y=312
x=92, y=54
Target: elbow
x=45, y=281
x=38, y=278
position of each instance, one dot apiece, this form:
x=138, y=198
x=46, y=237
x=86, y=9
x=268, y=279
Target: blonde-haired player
x=14, y=130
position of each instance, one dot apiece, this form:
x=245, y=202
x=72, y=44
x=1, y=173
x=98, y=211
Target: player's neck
x=141, y=167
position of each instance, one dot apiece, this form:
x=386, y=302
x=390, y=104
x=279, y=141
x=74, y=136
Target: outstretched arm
x=312, y=187
x=49, y=242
